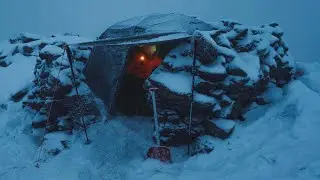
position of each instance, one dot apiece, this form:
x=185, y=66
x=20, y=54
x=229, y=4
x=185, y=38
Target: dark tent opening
x=142, y=60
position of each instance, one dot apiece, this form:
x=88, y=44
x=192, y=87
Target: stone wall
x=235, y=65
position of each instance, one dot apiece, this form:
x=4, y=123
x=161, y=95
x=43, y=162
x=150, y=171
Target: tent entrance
x=142, y=60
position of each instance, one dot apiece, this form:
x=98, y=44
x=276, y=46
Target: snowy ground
x=279, y=141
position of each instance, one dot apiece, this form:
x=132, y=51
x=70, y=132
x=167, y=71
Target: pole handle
x=153, y=89
x=155, y=115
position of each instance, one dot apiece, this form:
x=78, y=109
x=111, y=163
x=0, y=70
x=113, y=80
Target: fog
x=89, y=18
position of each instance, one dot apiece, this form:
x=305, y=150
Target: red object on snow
x=161, y=153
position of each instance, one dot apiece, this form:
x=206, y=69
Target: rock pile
x=52, y=92
x=234, y=66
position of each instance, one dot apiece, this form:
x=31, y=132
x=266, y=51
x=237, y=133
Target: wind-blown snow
x=16, y=76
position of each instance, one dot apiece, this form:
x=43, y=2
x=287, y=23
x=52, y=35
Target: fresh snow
x=213, y=69
x=249, y=64
x=216, y=108
x=226, y=111
x=176, y=36
x=16, y=76
x=226, y=98
x=61, y=75
x=273, y=93
x=311, y=75
x=180, y=61
x=68, y=39
x=29, y=35
x=177, y=82
x=220, y=49
x=83, y=89
x=289, y=59
x=269, y=60
x=7, y=49
x=224, y=124
x=220, y=60
x=263, y=44
x=157, y=23
x=51, y=49
x=201, y=98
x=224, y=40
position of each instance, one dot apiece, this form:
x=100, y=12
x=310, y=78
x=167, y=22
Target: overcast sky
x=300, y=19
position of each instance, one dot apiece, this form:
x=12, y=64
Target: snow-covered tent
x=107, y=63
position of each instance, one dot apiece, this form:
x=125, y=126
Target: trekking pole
x=69, y=54
x=155, y=115
x=193, y=72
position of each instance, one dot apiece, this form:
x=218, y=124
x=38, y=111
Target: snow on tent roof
x=156, y=23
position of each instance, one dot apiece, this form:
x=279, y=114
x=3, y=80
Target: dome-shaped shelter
x=107, y=69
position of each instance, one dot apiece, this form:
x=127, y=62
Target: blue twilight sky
x=300, y=19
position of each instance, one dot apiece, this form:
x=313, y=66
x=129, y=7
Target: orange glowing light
x=142, y=58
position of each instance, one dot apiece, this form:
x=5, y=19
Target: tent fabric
x=156, y=23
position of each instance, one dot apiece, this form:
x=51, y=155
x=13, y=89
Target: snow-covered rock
x=212, y=73
x=178, y=134
x=24, y=38
x=203, y=145
x=234, y=65
x=50, y=53
x=51, y=91
x=221, y=128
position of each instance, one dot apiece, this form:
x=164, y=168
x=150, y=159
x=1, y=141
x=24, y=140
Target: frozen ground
x=279, y=141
